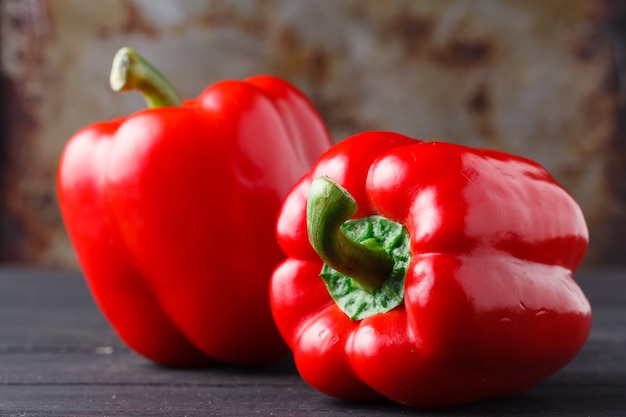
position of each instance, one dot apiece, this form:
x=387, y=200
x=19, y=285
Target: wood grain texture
x=58, y=356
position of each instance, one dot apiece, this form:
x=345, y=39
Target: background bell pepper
x=171, y=211
x=446, y=272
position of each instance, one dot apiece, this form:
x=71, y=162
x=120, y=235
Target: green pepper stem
x=328, y=207
x=130, y=71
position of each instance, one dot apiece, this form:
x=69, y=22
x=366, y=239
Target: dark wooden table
x=59, y=357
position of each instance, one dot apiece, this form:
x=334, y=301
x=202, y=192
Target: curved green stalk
x=329, y=206
x=130, y=71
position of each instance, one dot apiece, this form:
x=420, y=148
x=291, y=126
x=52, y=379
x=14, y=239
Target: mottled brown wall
x=536, y=78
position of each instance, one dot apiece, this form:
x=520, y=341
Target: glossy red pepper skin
x=490, y=307
x=171, y=212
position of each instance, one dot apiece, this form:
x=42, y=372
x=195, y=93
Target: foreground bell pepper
x=171, y=211
x=446, y=272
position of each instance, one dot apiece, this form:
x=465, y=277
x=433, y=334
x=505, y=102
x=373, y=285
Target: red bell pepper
x=171, y=211
x=446, y=272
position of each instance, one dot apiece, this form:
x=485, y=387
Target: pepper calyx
x=365, y=259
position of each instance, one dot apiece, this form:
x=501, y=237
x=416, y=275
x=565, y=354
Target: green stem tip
x=328, y=207
x=130, y=71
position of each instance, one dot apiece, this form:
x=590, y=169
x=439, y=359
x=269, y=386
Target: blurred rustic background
x=540, y=78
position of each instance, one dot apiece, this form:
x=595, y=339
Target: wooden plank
x=79, y=368
x=48, y=310
x=190, y=401
x=251, y=397
x=58, y=356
